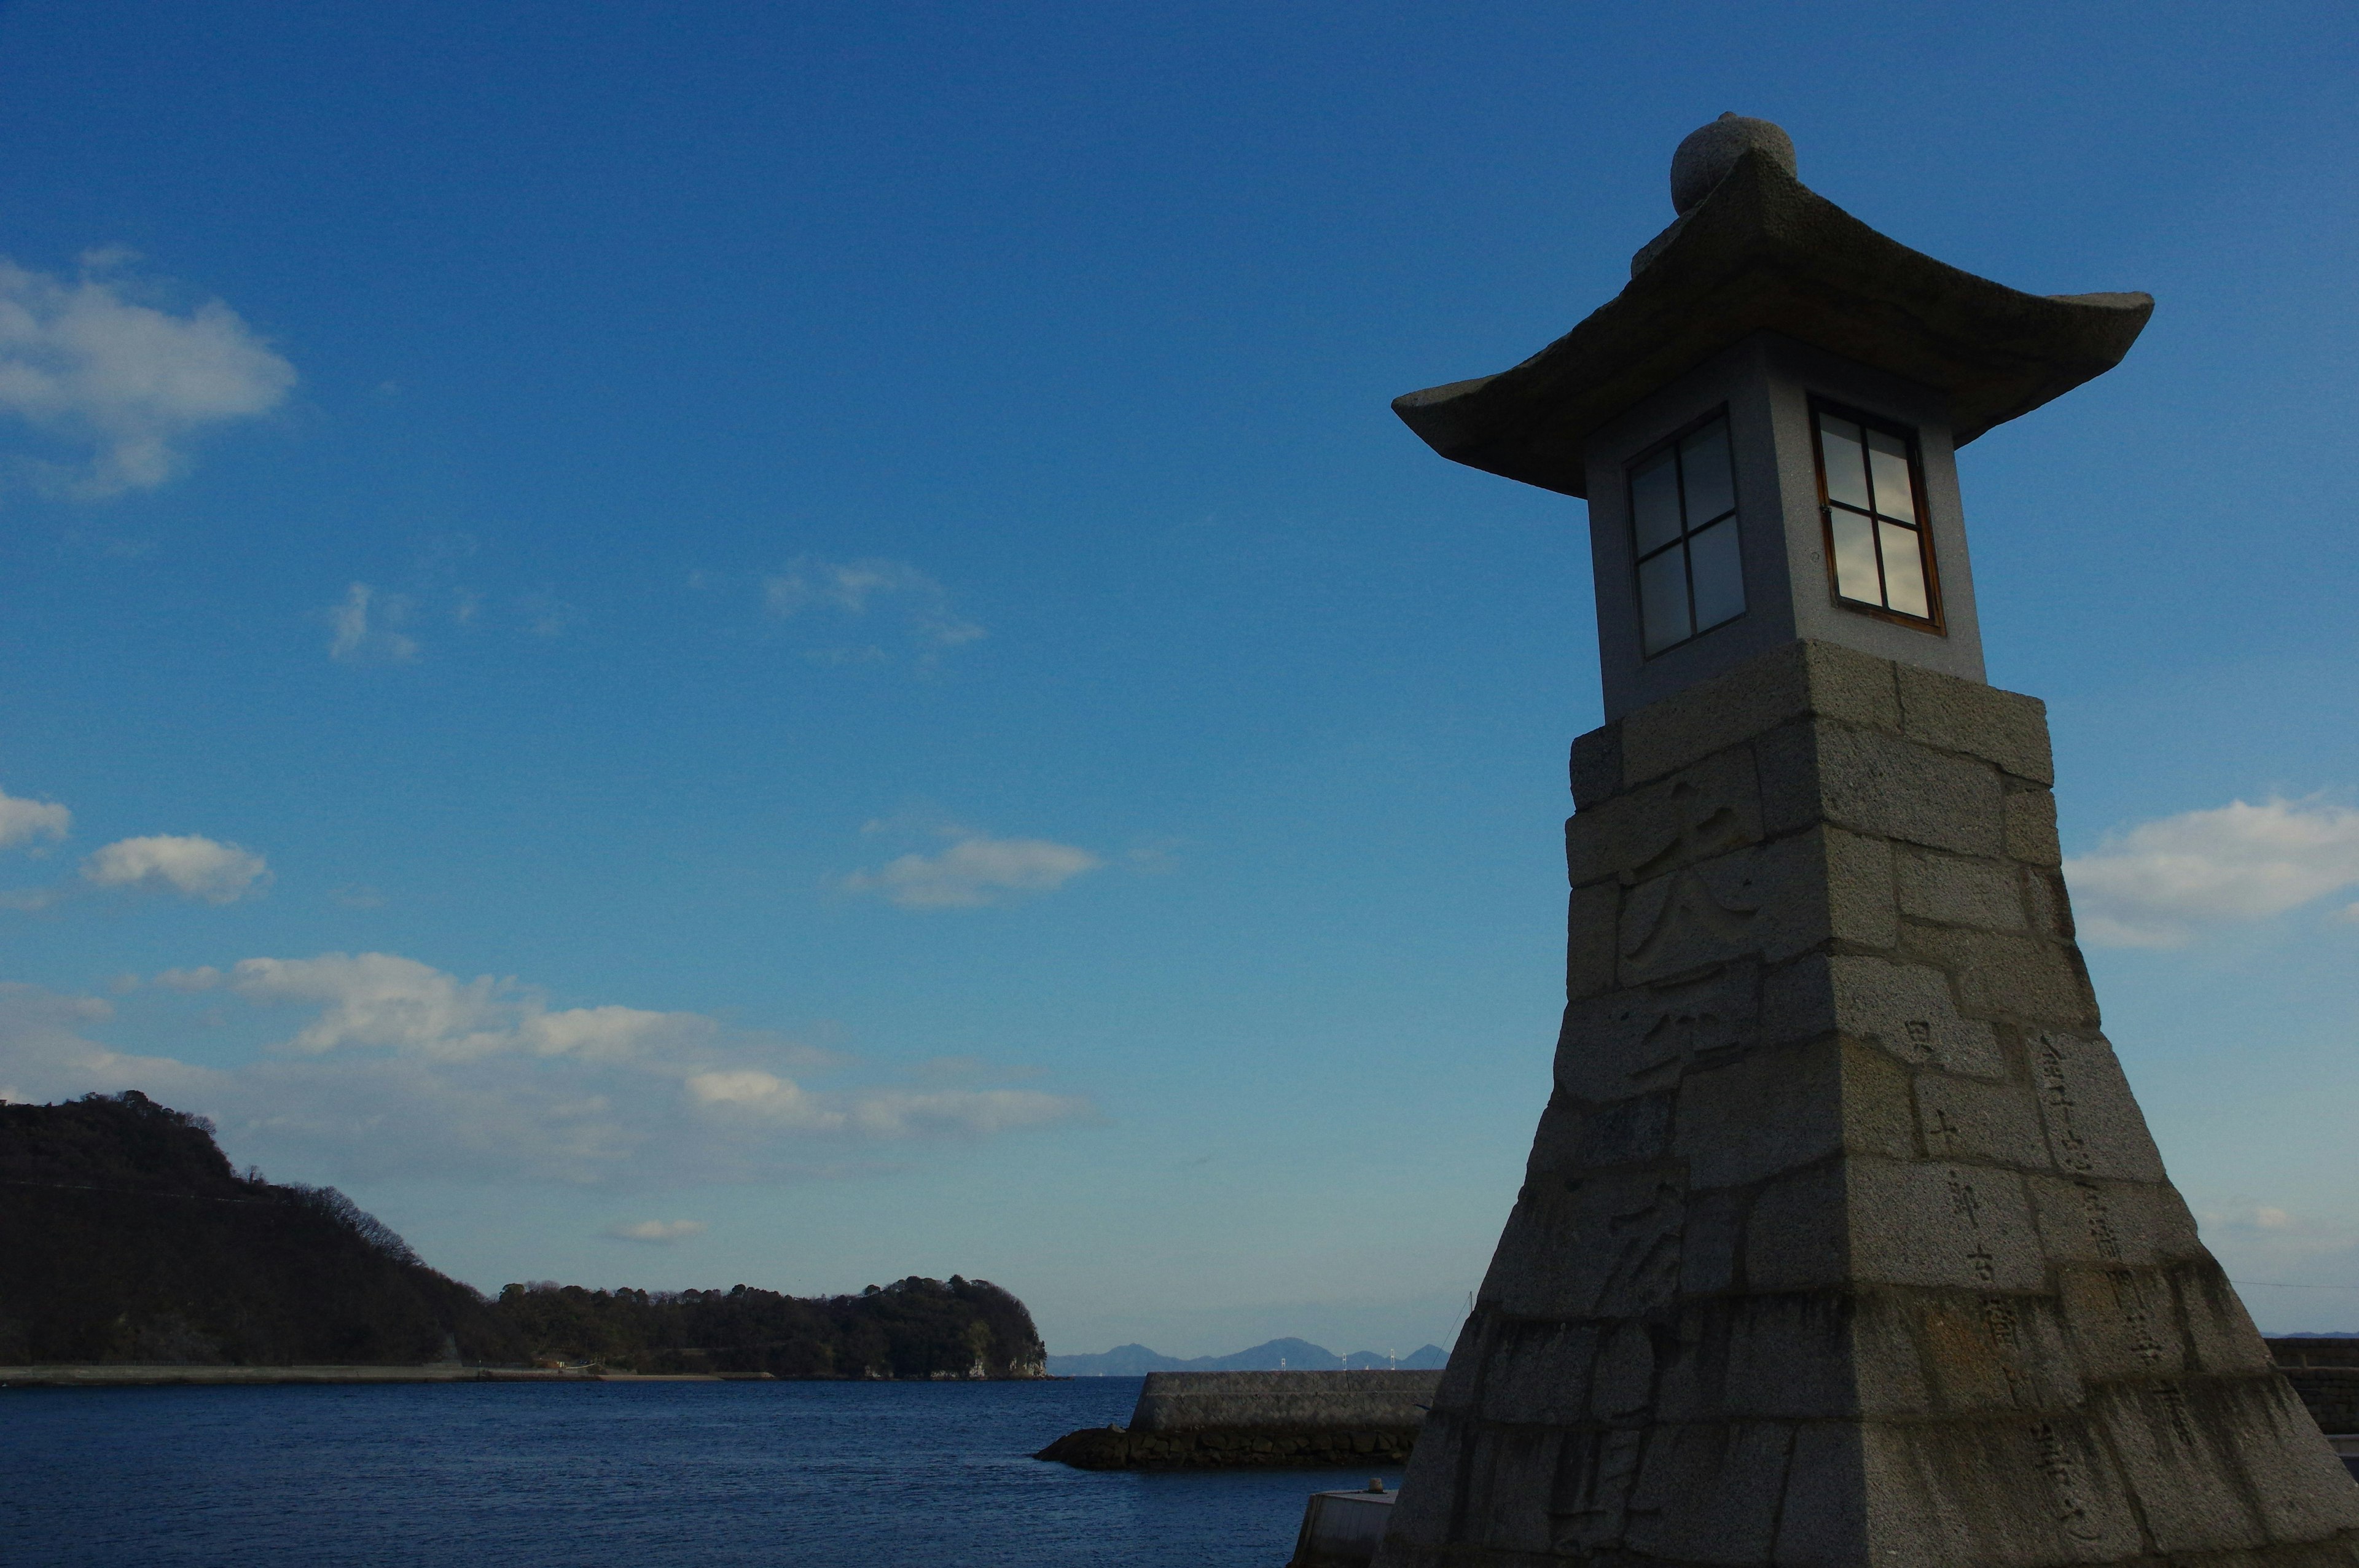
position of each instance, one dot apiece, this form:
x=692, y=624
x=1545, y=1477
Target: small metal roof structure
x=1763, y=253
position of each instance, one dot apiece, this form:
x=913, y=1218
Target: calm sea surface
x=618, y=1475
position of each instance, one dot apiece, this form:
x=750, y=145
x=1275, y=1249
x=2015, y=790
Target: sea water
x=617, y=1475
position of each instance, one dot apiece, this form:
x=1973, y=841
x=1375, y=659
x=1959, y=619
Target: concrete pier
x=1220, y=1419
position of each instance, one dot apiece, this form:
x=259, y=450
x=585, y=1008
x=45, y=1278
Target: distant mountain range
x=1287, y=1354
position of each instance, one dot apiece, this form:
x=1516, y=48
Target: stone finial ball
x=1706, y=156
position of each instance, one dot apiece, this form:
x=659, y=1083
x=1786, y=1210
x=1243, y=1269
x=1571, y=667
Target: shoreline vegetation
x=132, y=1253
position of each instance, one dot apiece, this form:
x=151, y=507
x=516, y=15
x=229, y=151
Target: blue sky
x=736, y=642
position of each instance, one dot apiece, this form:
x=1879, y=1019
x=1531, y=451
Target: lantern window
x=1872, y=493
x=1683, y=533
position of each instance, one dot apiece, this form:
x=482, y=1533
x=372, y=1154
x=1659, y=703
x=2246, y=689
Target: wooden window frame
x=1933, y=623
x=1734, y=516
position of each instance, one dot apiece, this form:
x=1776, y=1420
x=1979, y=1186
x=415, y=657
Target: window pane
x=1655, y=503
x=1904, y=571
x=1888, y=459
x=1854, y=556
x=1703, y=464
x=1663, y=600
x=1846, y=468
x=1719, y=575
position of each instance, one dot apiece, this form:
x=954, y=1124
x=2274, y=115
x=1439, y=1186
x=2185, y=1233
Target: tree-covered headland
x=126, y=1237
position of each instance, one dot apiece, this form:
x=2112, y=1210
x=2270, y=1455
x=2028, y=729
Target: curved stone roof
x=1763, y=252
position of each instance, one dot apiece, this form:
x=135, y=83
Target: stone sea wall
x=1219, y=1419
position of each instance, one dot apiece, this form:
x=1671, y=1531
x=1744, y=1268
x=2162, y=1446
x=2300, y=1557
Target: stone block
x=1788, y=1357
x=1885, y=1354
x=1593, y=918
x=1509, y=1478
x=1462, y=1375
x=1772, y=902
x=1602, y=1245
x=2015, y=979
x=1575, y=1135
x=1906, y=1008
x=1798, y=680
x=2031, y=817
x=2016, y=1493
x=1708, y=1493
x=1596, y=766
x=2218, y=1333
x=1597, y=1472
x=1556, y=1146
x=1537, y=1374
x=2285, y=1460
x=1424, y=1516
x=2002, y=727
x=2136, y=1225
x=1700, y=812
x=2184, y=1477
x=1708, y=1247
x=1988, y=1354
x=1691, y=1360
x=1640, y=1038
x=2117, y=1320
x=1822, y=1521
x=2048, y=904
x=1624, y=1386
x=1776, y=1108
x=1878, y=784
x=1796, y=1237
x=1860, y=909
x=1945, y=1225
x=1972, y=1120
x=1947, y=890
x=2093, y=1123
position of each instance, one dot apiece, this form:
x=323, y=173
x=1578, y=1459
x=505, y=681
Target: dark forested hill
x=915, y=1329
x=126, y=1237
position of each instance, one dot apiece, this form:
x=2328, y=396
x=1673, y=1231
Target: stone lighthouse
x=1843, y=1241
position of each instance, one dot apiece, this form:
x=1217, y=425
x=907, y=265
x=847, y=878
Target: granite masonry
x=1841, y=1241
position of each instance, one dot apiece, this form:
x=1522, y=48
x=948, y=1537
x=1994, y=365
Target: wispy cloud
x=654, y=1232
x=188, y=865
x=973, y=872
x=22, y=821
x=395, y=1067
x=361, y=627
x=546, y=615
x=118, y=386
x=2161, y=883
x=844, y=592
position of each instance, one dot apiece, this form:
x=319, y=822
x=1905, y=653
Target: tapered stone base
x=1843, y=1241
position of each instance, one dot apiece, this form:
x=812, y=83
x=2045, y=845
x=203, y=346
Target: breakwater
x=1222, y=1420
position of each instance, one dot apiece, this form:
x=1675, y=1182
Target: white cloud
x=853, y=589
x=402, y=1069
x=2157, y=884
x=43, y=1049
x=656, y=1232
x=188, y=865
x=362, y=628
x=21, y=821
x=973, y=872
x=120, y=384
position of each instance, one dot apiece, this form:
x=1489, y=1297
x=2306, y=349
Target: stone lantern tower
x=1843, y=1241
